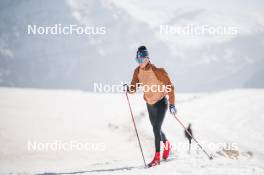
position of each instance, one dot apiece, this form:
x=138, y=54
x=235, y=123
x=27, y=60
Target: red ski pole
x=135, y=127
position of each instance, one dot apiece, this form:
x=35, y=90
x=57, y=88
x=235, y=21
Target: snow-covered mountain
x=194, y=62
x=103, y=121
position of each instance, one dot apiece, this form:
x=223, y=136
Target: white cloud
x=177, y=13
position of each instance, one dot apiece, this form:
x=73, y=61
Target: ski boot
x=166, y=151
x=155, y=161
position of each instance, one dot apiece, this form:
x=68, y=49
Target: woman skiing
x=156, y=86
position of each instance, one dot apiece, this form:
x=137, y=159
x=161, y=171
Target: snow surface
x=228, y=117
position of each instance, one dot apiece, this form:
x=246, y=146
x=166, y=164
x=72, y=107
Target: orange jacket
x=161, y=75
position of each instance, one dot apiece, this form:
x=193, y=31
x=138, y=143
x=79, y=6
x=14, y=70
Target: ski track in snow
x=48, y=115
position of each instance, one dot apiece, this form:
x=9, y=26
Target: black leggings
x=157, y=113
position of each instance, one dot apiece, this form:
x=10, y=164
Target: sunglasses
x=140, y=60
x=141, y=55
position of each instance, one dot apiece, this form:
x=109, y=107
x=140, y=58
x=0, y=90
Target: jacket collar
x=148, y=66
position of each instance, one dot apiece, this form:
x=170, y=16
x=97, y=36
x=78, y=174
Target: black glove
x=125, y=88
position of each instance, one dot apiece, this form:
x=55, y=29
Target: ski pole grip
x=125, y=88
